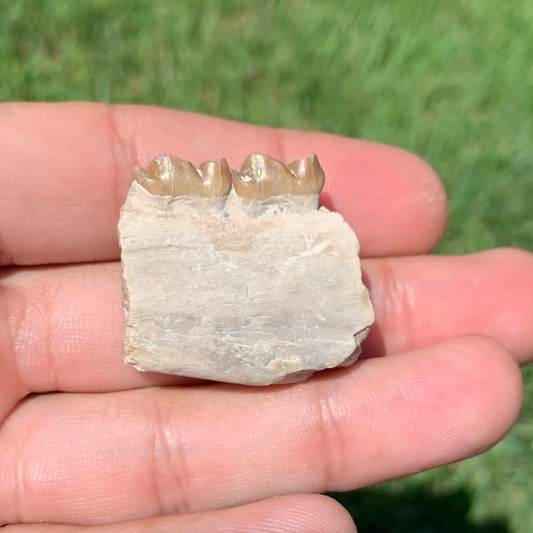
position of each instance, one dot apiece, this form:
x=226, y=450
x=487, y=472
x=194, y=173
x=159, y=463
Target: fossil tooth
x=170, y=176
x=139, y=175
x=176, y=177
x=261, y=177
x=309, y=174
x=216, y=176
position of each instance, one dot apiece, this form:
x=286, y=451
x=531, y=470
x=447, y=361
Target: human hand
x=110, y=445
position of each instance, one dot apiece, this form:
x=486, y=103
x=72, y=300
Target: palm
x=111, y=445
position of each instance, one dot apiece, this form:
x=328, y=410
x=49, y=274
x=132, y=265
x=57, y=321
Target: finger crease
x=124, y=152
x=169, y=470
x=329, y=439
x=400, y=306
x=280, y=140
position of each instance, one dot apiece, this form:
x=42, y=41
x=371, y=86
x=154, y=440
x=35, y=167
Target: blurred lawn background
x=450, y=80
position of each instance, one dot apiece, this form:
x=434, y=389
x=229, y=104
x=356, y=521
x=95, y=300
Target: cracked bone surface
x=237, y=275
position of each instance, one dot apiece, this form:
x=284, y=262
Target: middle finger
x=67, y=323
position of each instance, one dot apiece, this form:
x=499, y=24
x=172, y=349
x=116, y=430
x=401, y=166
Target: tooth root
x=216, y=177
x=309, y=174
x=261, y=177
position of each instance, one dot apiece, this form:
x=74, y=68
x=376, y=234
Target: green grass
x=449, y=80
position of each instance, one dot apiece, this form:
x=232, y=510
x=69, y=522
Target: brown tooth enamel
x=138, y=174
x=170, y=176
x=142, y=176
x=309, y=174
x=261, y=177
x=216, y=176
x=177, y=177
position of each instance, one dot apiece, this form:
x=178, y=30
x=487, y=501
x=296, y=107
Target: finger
x=67, y=324
x=144, y=453
x=66, y=167
x=308, y=513
x=422, y=300
x=12, y=386
x=64, y=330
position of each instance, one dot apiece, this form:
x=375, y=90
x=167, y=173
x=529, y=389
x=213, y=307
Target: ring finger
x=150, y=452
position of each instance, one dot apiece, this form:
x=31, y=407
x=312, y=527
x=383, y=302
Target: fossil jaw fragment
x=237, y=275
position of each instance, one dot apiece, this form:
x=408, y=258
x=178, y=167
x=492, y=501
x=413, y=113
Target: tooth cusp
x=261, y=177
x=138, y=174
x=216, y=177
x=309, y=175
x=142, y=177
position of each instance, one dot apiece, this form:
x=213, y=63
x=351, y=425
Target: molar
x=261, y=177
x=170, y=176
x=309, y=174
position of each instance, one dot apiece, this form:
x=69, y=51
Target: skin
x=113, y=450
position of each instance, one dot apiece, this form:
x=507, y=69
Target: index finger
x=64, y=174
